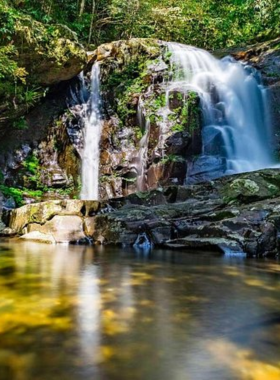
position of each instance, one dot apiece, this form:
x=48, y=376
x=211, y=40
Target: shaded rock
x=205, y=168
x=209, y=244
x=268, y=239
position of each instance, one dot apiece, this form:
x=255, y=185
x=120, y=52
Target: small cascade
x=92, y=135
x=144, y=124
x=233, y=103
x=143, y=244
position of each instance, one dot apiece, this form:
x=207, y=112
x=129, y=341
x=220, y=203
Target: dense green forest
x=205, y=23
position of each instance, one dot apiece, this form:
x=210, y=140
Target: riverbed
x=84, y=313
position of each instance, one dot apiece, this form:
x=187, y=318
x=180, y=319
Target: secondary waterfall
x=233, y=103
x=92, y=134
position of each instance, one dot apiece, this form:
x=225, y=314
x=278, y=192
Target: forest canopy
x=209, y=24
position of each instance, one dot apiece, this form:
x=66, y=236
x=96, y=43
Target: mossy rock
x=252, y=186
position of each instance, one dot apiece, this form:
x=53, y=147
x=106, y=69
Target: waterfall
x=233, y=103
x=236, y=129
x=92, y=135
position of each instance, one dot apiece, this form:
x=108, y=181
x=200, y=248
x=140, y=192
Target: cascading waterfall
x=233, y=103
x=92, y=135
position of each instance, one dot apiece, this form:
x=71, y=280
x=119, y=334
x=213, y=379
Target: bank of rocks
x=239, y=213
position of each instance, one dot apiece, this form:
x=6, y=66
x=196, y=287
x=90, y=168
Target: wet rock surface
x=238, y=213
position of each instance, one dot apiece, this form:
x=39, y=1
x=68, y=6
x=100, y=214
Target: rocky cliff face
x=144, y=144
x=135, y=155
x=37, y=63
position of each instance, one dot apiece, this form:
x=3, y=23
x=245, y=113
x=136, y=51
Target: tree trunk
x=82, y=8
x=92, y=21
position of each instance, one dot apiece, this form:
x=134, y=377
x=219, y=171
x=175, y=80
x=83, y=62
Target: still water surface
x=88, y=313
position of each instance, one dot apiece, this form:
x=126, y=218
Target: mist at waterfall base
x=236, y=133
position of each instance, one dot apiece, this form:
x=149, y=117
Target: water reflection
x=95, y=313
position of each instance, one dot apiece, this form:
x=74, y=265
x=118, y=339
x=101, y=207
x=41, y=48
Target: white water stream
x=93, y=130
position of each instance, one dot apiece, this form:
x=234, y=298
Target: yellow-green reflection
x=92, y=313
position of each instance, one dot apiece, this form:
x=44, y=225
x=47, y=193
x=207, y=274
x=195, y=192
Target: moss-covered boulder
x=33, y=56
x=252, y=186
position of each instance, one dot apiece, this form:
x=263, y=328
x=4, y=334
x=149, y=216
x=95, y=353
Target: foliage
x=205, y=23
x=126, y=85
x=26, y=45
x=31, y=164
x=171, y=158
x=20, y=123
x=12, y=192
x=18, y=194
x=178, y=128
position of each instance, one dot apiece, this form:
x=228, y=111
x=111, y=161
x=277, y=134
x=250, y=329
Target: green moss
x=128, y=83
x=11, y=192
x=177, y=128
x=139, y=133
x=20, y=123
x=171, y=158
x=31, y=164
x=18, y=194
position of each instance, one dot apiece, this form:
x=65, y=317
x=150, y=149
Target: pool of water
x=93, y=313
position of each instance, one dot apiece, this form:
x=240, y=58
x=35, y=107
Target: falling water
x=143, y=147
x=233, y=103
x=93, y=129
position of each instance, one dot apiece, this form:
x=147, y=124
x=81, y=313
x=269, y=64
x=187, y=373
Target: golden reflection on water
x=243, y=361
x=93, y=313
